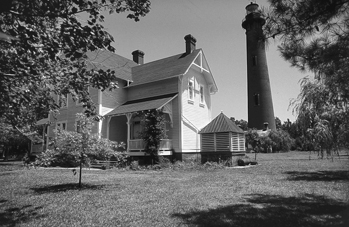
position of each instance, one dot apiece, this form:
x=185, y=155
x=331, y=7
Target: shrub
x=282, y=141
x=68, y=149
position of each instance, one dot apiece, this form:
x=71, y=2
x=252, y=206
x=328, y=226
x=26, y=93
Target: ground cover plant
x=285, y=189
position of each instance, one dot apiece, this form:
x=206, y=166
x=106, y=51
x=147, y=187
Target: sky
x=216, y=25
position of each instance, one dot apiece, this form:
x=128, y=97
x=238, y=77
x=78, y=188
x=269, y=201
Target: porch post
x=129, y=116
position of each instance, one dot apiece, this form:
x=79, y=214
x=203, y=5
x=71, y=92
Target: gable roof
x=104, y=59
x=221, y=124
x=163, y=69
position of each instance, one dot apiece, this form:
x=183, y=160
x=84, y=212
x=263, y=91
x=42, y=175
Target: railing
x=138, y=144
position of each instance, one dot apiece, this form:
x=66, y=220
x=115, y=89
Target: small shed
x=222, y=135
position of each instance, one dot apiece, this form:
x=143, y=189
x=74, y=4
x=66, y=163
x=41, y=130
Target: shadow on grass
x=66, y=187
x=15, y=215
x=341, y=175
x=271, y=210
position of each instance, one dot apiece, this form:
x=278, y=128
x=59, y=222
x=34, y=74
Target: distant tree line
x=288, y=136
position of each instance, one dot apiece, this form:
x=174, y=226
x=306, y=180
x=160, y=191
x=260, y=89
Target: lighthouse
x=260, y=103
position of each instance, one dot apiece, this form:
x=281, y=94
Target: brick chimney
x=138, y=57
x=190, y=43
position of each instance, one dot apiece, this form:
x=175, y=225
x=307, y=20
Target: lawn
x=285, y=189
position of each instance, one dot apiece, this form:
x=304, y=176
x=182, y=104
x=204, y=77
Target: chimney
x=190, y=42
x=138, y=57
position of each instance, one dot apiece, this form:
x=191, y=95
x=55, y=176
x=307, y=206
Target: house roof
x=163, y=69
x=104, y=59
x=142, y=104
x=221, y=124
x=43, y=121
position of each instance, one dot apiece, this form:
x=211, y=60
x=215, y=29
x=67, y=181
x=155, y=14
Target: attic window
x=201, y=94
x=191, y=89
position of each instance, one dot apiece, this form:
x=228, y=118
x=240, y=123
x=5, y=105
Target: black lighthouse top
x=253, y=14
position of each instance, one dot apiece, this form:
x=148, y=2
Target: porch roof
x=44, y=121
x=142, y=104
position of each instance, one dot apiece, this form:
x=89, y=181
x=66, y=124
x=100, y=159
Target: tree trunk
x=6, y=153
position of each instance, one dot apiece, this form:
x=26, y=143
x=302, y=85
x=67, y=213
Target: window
x=256, y=99
x=202, y=94
x=191, y=89
x=62, y=125
x=254, y=60
x=62, y=101
x=136, y=128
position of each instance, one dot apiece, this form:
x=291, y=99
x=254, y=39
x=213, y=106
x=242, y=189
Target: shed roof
x=104, y=59
x=142, y=104
x=221, y=124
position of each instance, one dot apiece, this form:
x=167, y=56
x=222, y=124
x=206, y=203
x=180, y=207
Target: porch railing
x=138, y=144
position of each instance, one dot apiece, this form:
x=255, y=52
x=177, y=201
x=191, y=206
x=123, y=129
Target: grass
x=286, y=189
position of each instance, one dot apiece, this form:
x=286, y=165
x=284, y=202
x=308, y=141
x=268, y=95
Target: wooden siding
x=208, y=142
x=153, y=89
x=114, y=98
x=195, y=114
x=69, y=113
x=222, y=141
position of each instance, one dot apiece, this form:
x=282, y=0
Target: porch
x=136, y=147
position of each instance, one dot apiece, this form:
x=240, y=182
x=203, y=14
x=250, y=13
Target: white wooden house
x=180, y=85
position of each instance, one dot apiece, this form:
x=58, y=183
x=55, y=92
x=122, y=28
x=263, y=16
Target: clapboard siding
x=195, y=114
x=68, y=113
x=222, y=141
x=208, y=142
x=113, y=98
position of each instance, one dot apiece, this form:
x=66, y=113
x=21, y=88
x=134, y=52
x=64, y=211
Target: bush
x=282, y=141
x=68, y=148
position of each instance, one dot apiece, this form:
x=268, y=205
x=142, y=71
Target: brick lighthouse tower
x=260, y=103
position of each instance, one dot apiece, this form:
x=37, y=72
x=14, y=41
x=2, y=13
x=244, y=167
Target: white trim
x=191, y=151
x=142, y=153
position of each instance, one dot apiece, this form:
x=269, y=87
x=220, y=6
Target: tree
x=278, y=123
x=253, y=139
x=12, y=142
x=243, y=124
x=314, y=37
x=48, y=53
x=154, y=130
